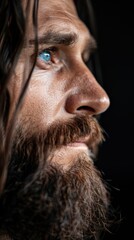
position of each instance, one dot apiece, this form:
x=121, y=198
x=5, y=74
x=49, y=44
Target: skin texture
x=52, y=181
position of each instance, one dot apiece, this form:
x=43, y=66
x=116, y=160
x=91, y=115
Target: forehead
x=57, y=6
x=60, y=15
x=52, y=6
x=57, y=17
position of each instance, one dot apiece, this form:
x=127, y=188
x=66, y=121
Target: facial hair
x=42, y=201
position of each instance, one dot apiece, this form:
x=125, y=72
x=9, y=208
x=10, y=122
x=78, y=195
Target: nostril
x=79, y=104
x=86, y=104
x=76, y=104
x=85, y=109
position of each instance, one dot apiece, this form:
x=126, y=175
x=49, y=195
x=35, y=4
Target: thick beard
x=45, y=202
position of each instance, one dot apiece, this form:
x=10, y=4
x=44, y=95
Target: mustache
x=60, y=134
x=72, y=131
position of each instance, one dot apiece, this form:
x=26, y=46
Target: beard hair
x=42, y=201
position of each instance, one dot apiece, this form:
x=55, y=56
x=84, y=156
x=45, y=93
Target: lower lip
x=78, y=145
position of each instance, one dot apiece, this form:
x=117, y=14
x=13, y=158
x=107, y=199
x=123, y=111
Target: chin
x=66, y=156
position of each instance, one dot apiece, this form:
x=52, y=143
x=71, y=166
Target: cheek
x=36, y=110
x=40, y=106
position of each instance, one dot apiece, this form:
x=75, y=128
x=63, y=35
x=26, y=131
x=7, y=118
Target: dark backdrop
x=116, y=47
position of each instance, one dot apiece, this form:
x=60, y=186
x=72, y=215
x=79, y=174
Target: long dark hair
x=13, y=26
x=12, y=36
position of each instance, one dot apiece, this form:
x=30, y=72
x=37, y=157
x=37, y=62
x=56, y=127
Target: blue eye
x=45, y=56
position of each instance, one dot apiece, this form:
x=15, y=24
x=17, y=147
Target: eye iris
x=45, y=56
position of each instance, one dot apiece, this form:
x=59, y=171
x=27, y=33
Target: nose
x=86, y=96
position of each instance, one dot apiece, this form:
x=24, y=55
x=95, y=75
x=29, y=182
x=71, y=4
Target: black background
x=116, y=47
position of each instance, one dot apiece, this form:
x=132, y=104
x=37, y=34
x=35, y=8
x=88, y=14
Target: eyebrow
x=52, y=37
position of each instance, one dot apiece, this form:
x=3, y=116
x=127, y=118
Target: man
x=52, y=189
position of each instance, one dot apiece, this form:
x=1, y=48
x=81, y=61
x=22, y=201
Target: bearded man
x=50, y=100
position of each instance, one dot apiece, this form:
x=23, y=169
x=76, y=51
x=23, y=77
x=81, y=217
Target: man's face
x=61, y=87
x=55, y=129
